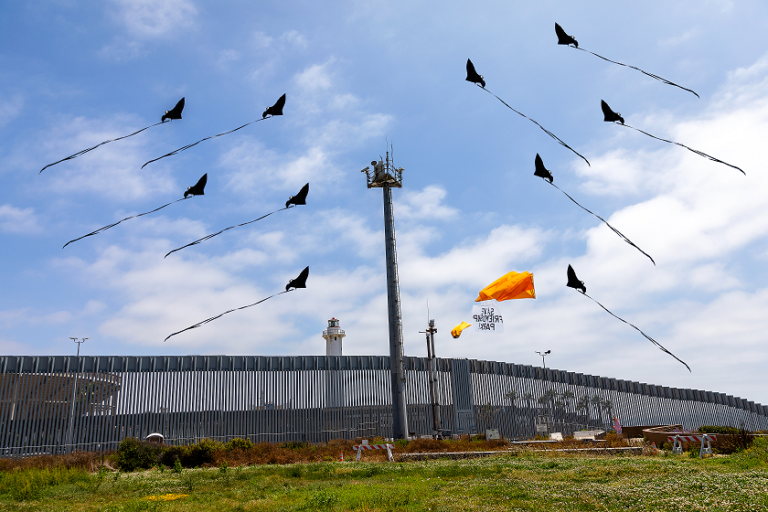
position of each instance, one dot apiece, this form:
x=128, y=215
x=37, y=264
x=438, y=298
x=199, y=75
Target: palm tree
x=567, y=396
x=583, y=406
x=528, y=397
x=608, y=408
x=597, y=402
x=512, y=397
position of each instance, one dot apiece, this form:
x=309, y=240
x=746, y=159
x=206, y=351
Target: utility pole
x=70, y=432
x=432, y=362
x=386, y=176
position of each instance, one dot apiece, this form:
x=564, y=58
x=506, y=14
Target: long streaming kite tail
x=202, y=140
x=619, y=233
x=208, y=237
x=558, y=139
x=222, y=314
x=70, y=157
x=641, y=332
x=700, y=153
x=656, y=77
x=127, y=218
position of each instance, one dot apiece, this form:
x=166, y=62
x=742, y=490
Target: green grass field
x=526, y=481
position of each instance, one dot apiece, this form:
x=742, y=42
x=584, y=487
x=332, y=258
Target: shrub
x=171, y=455
x=713, y=429
x=133, y=454
x=238, y=444
x=401, y=443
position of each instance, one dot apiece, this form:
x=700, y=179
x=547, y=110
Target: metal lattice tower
x=386, y=176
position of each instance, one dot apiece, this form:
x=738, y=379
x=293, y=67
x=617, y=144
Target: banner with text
x=487, y=318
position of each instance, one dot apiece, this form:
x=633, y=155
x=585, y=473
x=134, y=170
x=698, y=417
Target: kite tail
x=208, y=237
x=656, y=77
x=201, y=140
x=700, y=153
x=537, y=124
x=70, y=157
x=619, y=233
x=222, y=314
x=127, y=218
x=641, y=332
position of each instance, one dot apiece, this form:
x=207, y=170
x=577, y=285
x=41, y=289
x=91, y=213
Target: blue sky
x=73, y=74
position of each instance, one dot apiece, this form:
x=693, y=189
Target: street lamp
x=74, y=391
x=543, y=355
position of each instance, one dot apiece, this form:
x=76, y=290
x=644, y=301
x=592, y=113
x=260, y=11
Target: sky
x=359, y=76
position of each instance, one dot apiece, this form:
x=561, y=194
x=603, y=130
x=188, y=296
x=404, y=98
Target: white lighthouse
x=333, y=336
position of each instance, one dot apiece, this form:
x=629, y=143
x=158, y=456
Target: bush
x=191, y=456
x=238, y=444
x=133, y=454
x=712, y=429
x=172, y=455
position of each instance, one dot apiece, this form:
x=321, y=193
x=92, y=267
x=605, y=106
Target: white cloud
x=226, y=57
x=18, y=220
x=155, y=18
x=261, y=40
x=315, y=77
x=254, y=166
x=113, y=170
x=294, y=38
x=121, y=50
x=10, y=108
x=9, y=347
x=31, y=316
x=338, y=132
x=470, y=263
x=681, y=38
x=425, y=204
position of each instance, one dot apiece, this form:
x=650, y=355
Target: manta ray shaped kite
x=198, y=189
x=609, y=116
x=293, y=284
x=298, y=199
x=574, y=282
x=479, y=80
x=546, y=175
x=570, y=41
x=274, y=110
x=174, y=113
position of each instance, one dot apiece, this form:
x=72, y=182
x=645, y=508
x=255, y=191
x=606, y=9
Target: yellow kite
x=510, y=286
x=456, y=331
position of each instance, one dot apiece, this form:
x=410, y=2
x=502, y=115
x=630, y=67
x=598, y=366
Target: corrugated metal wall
x=51, y=404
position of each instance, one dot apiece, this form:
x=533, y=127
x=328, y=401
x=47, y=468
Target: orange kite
x=515, y=285
x=456, y=331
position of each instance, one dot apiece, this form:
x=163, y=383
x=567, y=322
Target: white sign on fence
x=487, y=319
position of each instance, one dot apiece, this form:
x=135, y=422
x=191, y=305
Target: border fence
x=55, y=404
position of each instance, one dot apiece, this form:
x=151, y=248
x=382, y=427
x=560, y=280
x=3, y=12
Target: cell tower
x=386, y=176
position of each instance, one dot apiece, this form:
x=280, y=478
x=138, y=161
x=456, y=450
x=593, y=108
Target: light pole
x=432, y=364
x=74, y=391
x=543, y=355
x=386, y=176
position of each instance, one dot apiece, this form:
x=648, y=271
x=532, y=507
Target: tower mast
x=386, y=176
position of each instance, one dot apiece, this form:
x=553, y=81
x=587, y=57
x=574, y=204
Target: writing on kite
x=486, y=319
